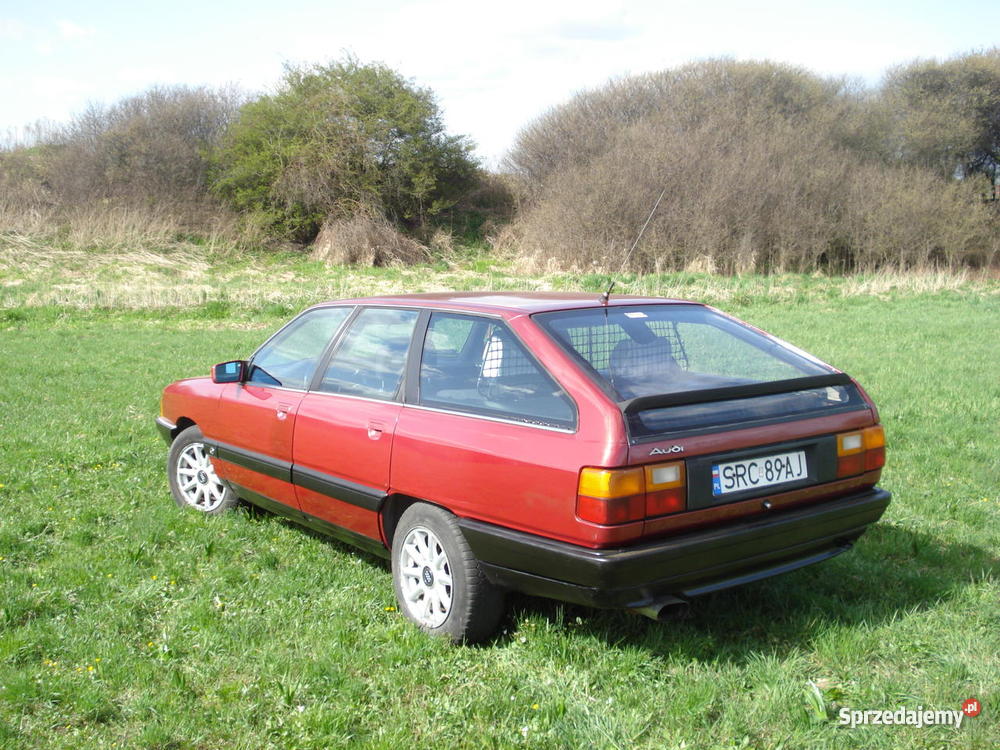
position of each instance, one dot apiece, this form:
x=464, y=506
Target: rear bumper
x=686, y=565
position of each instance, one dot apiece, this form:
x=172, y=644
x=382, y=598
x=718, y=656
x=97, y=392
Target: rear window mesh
x=595, y=343
x=503, y=358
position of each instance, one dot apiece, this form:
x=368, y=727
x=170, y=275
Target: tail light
x=861, y=451
x=610, y=496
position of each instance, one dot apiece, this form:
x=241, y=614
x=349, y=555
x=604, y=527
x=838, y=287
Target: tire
x=193, y=481
x=439, y=584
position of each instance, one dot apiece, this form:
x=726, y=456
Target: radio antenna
x=607, y=294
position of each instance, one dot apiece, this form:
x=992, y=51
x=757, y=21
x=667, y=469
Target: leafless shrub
x=365, y=238
x=152, y=146
x=442, y=241
x=113, y=174
x=759, y=171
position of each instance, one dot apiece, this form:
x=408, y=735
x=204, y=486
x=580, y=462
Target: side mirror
x=229, y=372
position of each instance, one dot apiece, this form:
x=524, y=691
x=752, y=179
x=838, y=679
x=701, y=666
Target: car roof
x=510, y=302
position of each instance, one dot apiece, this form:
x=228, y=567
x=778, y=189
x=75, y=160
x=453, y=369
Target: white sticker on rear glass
x=636, y=315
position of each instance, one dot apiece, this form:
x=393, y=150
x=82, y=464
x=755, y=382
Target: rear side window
x=371, y=358
x=289, y=358
x=477, y=365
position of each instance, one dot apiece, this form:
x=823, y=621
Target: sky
x=494, y=67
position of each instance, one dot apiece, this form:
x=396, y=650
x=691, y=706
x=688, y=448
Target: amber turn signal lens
x=610, y=483
x=874, y=437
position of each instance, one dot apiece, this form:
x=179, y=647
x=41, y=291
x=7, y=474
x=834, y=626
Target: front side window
x=476, y=365
x=289, y=358
x=371, y=358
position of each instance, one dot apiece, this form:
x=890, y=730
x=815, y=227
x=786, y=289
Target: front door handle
x=375, y=429
x=282, y=411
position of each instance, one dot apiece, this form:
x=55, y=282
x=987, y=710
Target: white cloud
x=70, y=30
x=11, y=28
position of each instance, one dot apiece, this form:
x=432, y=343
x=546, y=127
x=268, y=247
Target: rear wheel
x=438, y=581
x=193, y=481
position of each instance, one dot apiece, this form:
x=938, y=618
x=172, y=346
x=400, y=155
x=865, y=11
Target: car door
x=253, y=438
x=345, y=424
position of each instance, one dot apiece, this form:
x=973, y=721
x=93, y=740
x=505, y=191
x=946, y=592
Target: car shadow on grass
x=891, y=571
x=257, y=514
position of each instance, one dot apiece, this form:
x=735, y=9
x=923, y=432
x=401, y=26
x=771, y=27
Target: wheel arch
x=393, y=508
x=182, y=424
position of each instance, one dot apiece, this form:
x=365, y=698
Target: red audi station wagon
x=631, y=452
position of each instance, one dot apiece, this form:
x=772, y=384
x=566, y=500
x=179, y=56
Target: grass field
x=125, y=622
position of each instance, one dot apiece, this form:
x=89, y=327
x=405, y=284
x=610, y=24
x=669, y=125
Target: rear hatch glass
x=677, y=369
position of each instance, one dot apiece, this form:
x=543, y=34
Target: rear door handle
x=375, y=429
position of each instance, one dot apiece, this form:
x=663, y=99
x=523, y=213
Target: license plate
x=752, y=473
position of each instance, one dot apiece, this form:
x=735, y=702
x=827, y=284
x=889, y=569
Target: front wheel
x=439, y=584
x=193, y=481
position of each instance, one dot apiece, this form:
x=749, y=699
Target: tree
x=948, y=113
x=338, y=136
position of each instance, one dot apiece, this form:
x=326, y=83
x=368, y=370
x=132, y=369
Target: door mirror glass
x=229, y=372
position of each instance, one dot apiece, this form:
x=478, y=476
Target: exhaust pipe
x=667, y=608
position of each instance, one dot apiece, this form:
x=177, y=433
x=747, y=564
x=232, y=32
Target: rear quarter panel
x=515, y=475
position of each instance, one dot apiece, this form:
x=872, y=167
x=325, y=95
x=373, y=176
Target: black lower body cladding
x=688, y=564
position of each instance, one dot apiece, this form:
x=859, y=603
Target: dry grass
x=365, y=238
x=36, y=274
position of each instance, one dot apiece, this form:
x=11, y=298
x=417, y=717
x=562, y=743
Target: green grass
x=125, y=622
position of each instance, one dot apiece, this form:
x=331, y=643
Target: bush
x=149, y=147
x=761, y=169
x=115, y=174
x=338, y=136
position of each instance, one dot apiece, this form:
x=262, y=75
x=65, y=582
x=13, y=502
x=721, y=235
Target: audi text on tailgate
x=633, y=453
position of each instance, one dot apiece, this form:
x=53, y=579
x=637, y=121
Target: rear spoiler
x=642, y=403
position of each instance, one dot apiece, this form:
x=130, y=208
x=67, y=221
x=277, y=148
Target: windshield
x=649, y=350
